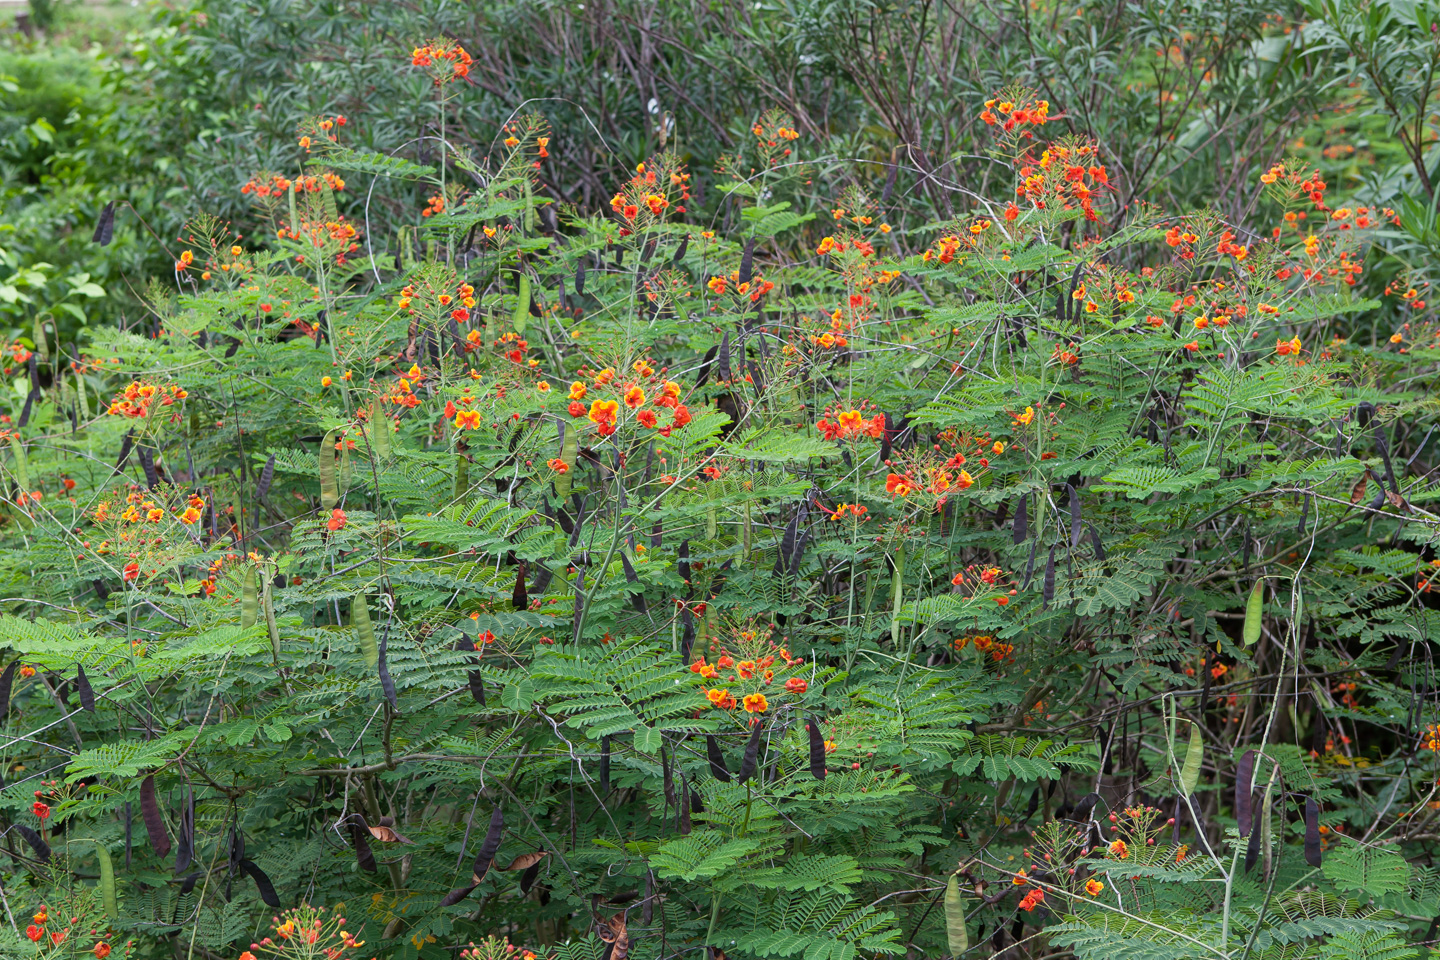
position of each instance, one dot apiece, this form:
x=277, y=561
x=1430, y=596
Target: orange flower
x=1119, y=849
x=755, y=703
x=603, y=411
x=577, y=391
x=796, y=685
x=337, y=520
x=190, y=516
x=634, y=396
x=467, y=420
x=897, y=486
x=1094, y=887
x=716, y=696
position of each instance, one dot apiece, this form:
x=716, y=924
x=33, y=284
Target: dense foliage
x=963, y=507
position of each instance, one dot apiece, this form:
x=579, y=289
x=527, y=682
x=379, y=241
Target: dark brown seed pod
x=29, y=402
x=1252, y=850
x=668, y=774
x=147, y=463
x=82, y=684
x=686, y=805
x=7, y=681
x=519, y=598
x=750, y=760
x=1030, y=565
x=709, y=359
x=267, y=474
x=126, y=443
x=1047, y=589
x=817, y=750
x=262, y=883
x=1021, y=528
x=787, y=547
x=105, y=226
x=1304, y=514
x=185, y=840
x=1096, y=542
x=682, y=561
x=456, y=895
x=722, y=359
x=154, y=822
x=1075, y=527
x=527, y=860
x=604, y=767
x=1084, y=808
x=1312, y=832
x=1244, y=787
x=747, y=262
x=580, y=278
x=613, y=933
x=486, y=855
x=359, y=832
x=37, y=842
x=717, y=762
x=187, y=882
x=680, y=250
x=687, y=632
x=234, y=348
x=382, y=667
x=527, y=879
x=656, y=532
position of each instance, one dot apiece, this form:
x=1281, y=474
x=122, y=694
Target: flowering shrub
x=647, y=586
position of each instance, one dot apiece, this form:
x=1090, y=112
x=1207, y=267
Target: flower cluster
x=851, y=424
x=306, y=932
x=444, y=59
x=604, y=411
x=757, y=665
x=657, y=186
x=139, y=398
x=1067, y=175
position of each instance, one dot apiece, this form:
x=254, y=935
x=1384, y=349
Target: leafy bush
x=815, y=570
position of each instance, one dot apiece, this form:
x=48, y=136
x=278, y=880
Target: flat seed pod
x=154, y=822
x=750, y=760
x=105, y=226
x=1252, y=849
x=704, y=374
x=82, y=684
x=37, y=842
x=462, y=475
x=527, y=879
x=329, y=487
x=604, y=766
x=126, y=443
x=1021, y=528
x=723, y=359
x=1047, y=590
x=1097, y=543
x=817, y=750
x=1194, y=757
x=107, y=881
x=249, y=598
x=385, y=832
x=687, y=632
x=1304, y=515
x=747, y=261
x=359, y=831
x=667, y=774
x=379, y=429
x=185, y=841
x=1254, y=613
x=1357, y=492
x=1244, y=788
x=519, y=598
x=717, y=761
x=1030, y=565
x=680, y=250
x=521, y=316
x=364, y=630
x=456, y=895
x=486, y=855
x=686, y=805
x=957, y=938
x=569, y=451
x=1084, y=808
x=527, y=860
x=382, y=668
x=1075, y=527
x=266, y=476
x=613, y=932
x=262, y=883
x=580, y=278
x=1312, y=832
x=682, y=561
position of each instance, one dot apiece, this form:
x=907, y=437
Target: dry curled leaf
x=613, y=932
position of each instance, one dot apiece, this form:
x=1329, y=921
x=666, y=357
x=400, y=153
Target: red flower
x=41, y=810
x=102, y=950
x=576, y=408
x=337, y=520
x=646, y=418
x=682, y=416
x=796, y=685
x=34, y=932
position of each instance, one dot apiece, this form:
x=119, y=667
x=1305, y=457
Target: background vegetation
x=754, y=480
